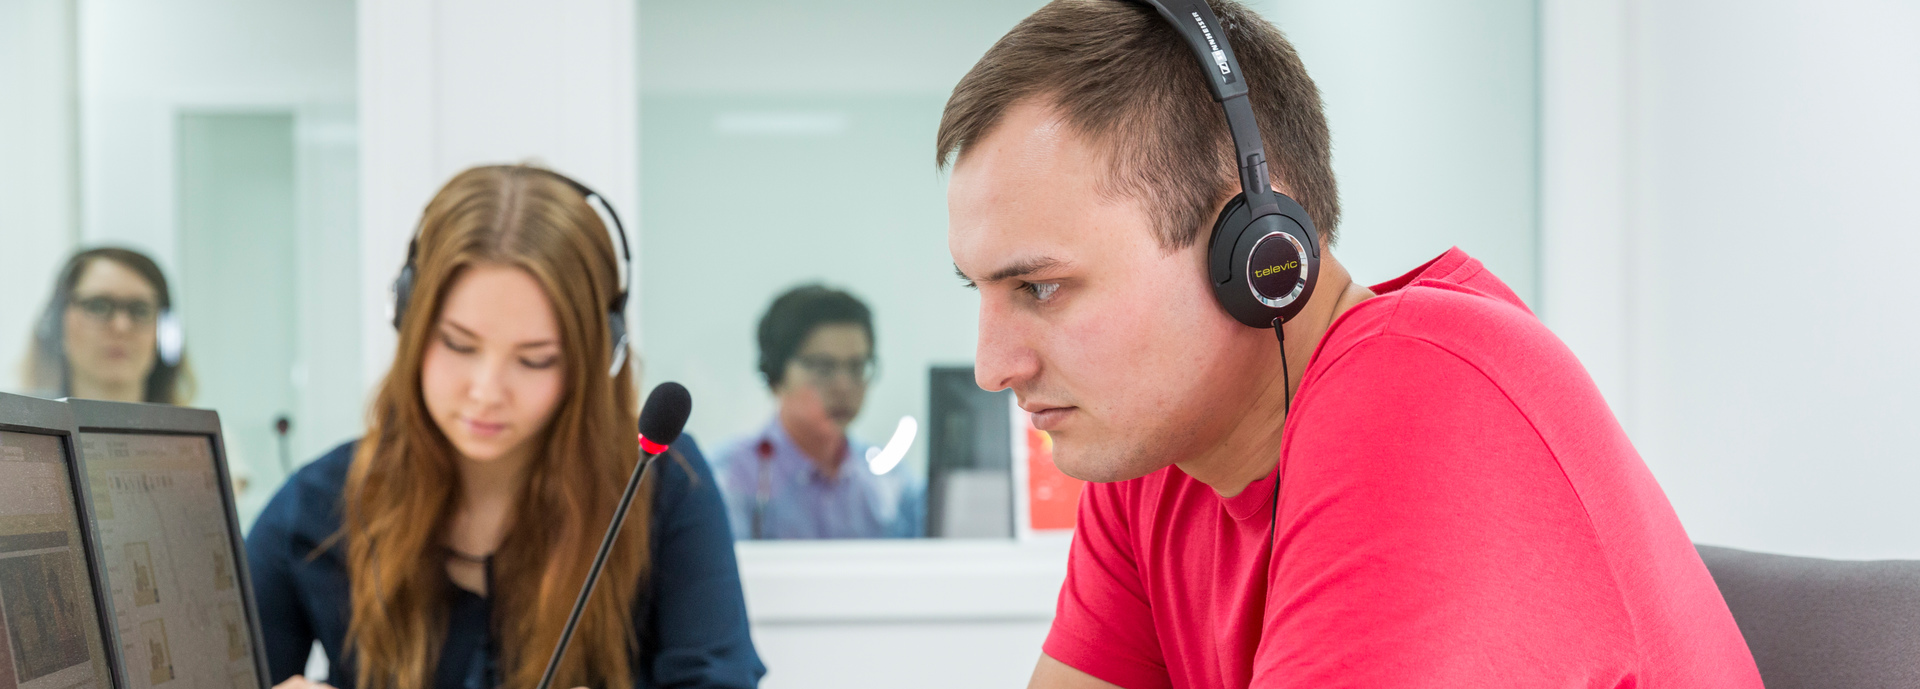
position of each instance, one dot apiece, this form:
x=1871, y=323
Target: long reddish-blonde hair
x=402, y=487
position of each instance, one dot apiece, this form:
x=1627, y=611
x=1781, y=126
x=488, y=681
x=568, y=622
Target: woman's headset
x=1263, y=256
x=616, y=311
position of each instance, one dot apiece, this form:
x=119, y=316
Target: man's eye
x=1041, y=291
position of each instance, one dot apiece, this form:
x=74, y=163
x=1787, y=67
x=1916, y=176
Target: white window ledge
x=813, y=582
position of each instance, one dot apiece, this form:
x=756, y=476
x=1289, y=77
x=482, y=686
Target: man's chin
x=1101, y=465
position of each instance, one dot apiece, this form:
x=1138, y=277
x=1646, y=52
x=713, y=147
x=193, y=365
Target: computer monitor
x=970, y=487
x=175, y=560
x=54, y=621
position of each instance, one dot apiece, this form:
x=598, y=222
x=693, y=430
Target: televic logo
x=1269, y=270
x=1219, y=56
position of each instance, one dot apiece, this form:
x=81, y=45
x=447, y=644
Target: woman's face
x=109, y=325
x=826, y=380
x=493, y=373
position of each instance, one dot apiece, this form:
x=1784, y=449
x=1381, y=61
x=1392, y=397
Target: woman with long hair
x=445, y=547
x=108, y=333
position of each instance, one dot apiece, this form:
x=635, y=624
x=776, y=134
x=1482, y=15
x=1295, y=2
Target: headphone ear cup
x=47, y=331
x=1226, y=233
x=169, y=338
x=402, y=292
x=617, y=328
x=1262, y=269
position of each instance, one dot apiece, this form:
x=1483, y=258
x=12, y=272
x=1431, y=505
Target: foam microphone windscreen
x=665, y=414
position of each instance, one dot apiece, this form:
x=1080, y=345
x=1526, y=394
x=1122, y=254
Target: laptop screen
x=162, y=518
x=48, y=614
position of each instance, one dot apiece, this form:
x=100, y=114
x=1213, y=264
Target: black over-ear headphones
x=616, y=311
x=1263, y=256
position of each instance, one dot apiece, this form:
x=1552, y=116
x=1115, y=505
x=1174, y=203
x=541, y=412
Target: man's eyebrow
x=1017, y=269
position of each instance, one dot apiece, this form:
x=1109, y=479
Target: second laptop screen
x=170, y=560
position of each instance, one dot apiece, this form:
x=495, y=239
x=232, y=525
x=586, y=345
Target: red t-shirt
x=1457, y=508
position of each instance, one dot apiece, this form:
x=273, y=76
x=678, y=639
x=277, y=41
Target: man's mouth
x=1048, y=418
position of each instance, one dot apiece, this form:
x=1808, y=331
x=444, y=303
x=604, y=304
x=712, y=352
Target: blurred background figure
x=108, y=333
x=801, y=475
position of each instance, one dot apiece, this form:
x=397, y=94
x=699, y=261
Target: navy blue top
x=691, y=618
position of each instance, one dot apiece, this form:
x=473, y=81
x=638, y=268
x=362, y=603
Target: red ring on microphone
x=651, y=447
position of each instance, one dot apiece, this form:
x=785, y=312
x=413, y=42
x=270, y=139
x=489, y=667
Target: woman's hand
x=301, y=682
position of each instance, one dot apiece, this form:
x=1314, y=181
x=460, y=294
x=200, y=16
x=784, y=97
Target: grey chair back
x=1830, y=624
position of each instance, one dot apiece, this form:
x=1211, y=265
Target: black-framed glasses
x=826, y=367
x=102, y=309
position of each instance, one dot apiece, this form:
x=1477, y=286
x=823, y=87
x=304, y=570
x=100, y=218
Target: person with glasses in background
x=802, y=475
x=108, y=333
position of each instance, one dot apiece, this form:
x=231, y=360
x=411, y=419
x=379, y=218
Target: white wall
x=141, y=62
x=1434, y=110
x=145, y=65
x=1730, y=236
x=439, y=93
x=38, y=195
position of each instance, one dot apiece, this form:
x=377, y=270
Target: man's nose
x=1003, y=358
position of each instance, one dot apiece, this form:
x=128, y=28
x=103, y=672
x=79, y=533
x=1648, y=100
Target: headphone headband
x=1262, y=255
x=605, y=208
x=1194, y=21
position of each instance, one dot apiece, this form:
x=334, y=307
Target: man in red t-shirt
x=1419, y=486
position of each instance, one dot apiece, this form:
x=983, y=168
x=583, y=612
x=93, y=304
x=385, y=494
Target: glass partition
x=215, y=142
x=797, y=148
x=800, y=153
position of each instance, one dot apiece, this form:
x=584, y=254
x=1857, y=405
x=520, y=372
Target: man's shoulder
x=1490, y=332
x=308, y=508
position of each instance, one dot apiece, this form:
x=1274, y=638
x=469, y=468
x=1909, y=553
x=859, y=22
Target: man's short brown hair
x=1119, y=75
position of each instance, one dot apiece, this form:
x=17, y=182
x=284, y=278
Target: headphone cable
x=1286, y=385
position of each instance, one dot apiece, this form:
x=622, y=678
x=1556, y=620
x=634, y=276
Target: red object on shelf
x=1052, y=497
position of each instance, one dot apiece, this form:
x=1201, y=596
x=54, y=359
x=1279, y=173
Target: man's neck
x=1252, y=446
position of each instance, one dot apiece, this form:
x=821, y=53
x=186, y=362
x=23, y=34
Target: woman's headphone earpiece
x=169, y=338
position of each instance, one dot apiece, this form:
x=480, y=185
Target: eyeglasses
x=139, y=311
x=824, y=368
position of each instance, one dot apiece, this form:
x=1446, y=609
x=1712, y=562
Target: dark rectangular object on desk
x=169, y=532
x=969, y=457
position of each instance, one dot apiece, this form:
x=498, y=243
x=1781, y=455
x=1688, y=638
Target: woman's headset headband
x=616, y=310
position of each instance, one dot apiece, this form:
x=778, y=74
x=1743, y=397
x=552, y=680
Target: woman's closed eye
x=540, y=362
x=457, y=346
